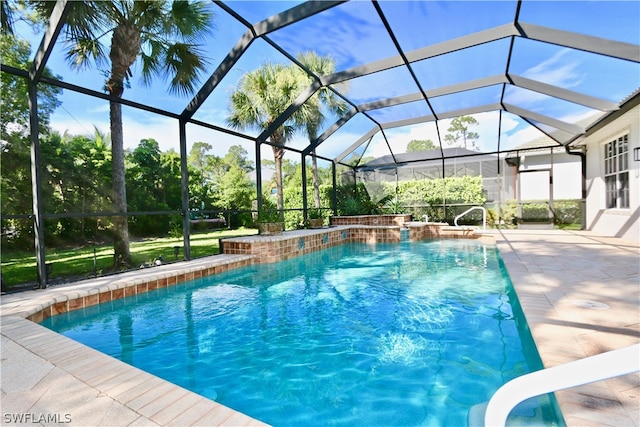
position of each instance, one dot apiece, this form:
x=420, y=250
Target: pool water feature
x=404, y=234
x=413, y=333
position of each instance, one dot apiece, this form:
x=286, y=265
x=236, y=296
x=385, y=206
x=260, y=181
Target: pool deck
x=563, y=280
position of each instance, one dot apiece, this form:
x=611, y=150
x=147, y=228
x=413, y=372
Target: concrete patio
x=580, y=294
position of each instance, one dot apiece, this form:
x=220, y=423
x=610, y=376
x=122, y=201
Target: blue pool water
x=415, y=333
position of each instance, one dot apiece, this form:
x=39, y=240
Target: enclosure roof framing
x=56, y=22
x=260, y=29
x=515, y=30
x=555, y=67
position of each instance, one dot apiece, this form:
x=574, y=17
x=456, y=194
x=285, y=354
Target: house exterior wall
x=622, y=223
x=567, y=176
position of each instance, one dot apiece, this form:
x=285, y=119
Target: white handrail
x=484, y=216
x=588, y=370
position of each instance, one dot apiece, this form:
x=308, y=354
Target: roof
x=429, y=157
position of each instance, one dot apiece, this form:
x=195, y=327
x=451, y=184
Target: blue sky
x=353, y=35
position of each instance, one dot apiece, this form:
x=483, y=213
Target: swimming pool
x=416, y=333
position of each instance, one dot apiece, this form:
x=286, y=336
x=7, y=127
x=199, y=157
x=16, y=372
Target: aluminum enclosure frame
x=297, y=14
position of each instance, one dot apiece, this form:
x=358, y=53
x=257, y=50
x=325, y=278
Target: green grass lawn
x=77, y=263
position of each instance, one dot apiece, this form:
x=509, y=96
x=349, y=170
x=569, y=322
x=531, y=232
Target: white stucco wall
x=623, y=223
x=567, y=176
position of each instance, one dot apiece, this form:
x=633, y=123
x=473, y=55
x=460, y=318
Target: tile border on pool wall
x=109, y=288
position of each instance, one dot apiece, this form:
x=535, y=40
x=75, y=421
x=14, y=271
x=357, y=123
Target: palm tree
x=163, y=35
x=261, y=97
x=6, y=18
x=320, y=66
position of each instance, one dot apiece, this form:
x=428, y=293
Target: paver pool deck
x=580, y=294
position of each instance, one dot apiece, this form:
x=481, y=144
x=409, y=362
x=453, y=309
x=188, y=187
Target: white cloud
x=559, y=70
x=519, y=137
x=99, y=109
x=422, y=131
x=75, y=127
x=337, y=143
x=508, y=123
x=165, y=130
x=556, y=71
x=487, y=129
x=582, y=116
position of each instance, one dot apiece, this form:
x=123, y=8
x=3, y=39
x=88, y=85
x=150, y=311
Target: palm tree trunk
x=122, y=256
x=278, y=153
x=125, y=46
x=316, y=183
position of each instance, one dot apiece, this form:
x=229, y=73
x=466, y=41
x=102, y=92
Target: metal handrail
x=484, y=216
x=588, y=370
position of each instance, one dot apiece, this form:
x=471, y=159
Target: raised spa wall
x=362, y=229
x=377, y=220
x=240, y=252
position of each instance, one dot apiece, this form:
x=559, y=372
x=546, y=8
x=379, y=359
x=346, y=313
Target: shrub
x=567, y=212
x=535, y=212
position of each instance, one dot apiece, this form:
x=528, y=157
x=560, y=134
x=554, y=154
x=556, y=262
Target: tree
x=96, y=168
x=15, y=144
x=14, y=98
x=324, y=97
x=198, y=154
x=459, y=128
x=260, y=97
x=237, y=189
x=171, y=184
x=75, y=178
x=12, y=11
x=6, y=17
x=420, y=145
x=145, y=169
x=205, y=172
x=163, y=35
x=144, y=179
x=237, y=155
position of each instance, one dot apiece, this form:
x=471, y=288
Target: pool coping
x=66, y=360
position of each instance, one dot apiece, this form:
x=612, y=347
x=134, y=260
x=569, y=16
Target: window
x=616, y=172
